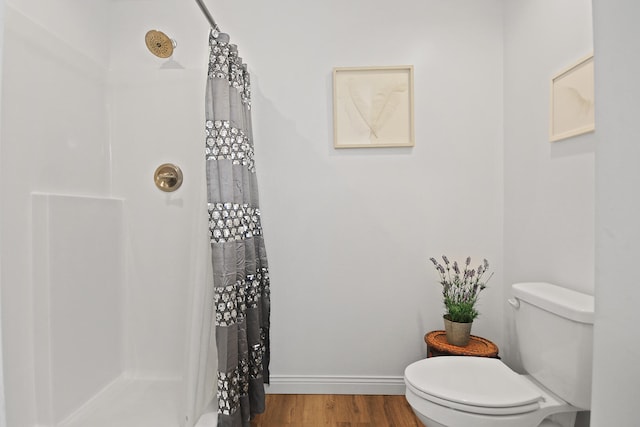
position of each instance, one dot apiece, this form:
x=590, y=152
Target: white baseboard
x=324, y=384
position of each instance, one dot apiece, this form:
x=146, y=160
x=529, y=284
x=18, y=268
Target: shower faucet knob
x=168, y=177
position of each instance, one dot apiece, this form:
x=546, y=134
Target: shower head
x=159, y=43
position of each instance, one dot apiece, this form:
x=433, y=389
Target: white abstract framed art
x=572, y=101
x=373, y=107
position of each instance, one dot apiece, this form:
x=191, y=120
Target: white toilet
x=554, y=328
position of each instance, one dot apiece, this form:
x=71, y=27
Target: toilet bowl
x=554, y=334
x=461, y=391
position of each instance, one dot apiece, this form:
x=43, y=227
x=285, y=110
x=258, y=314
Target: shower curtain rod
x=207, y=14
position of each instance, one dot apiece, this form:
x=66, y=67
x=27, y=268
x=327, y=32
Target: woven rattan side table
x=437, y=345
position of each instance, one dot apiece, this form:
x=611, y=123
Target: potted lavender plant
x=460, y=290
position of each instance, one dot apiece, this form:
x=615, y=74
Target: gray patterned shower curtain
x=240, y=271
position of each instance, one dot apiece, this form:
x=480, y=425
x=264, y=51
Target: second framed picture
x=373, y=106
x=572, y=101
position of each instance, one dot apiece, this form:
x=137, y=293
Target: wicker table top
x=437, y=340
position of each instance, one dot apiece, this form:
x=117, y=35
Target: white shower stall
x=102, y=273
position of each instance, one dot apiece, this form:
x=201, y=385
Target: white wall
x=54, y=139
x=3, y=407
x=548, y=186
x=548, y=196
x=349, y=232
x=617, y=346
x=156, y=108
x=549, y=200
x=80, y=25
x=78, y=303
x=88, y=123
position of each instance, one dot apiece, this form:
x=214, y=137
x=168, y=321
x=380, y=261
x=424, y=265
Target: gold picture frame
x=572, y=101
x=373, y=107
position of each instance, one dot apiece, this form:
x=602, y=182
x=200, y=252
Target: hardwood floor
x=315, y=410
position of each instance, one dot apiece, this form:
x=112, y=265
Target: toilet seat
x=473, y=384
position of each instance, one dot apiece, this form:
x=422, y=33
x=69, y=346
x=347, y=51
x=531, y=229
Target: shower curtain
x=240, y=271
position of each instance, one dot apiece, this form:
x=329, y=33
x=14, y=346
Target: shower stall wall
x=78, y=300
x=100, y=269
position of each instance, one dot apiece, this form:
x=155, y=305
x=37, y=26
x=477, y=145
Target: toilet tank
x=554, y=328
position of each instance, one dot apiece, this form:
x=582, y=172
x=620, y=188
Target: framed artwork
x=572, y=101
x=373, y=107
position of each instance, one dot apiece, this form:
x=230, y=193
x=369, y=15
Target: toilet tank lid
x=564, y=302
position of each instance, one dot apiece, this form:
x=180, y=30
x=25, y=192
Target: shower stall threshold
x=132, y=402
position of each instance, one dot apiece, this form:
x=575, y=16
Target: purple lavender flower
x=461, y=288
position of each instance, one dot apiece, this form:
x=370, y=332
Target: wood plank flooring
x=309, y=410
